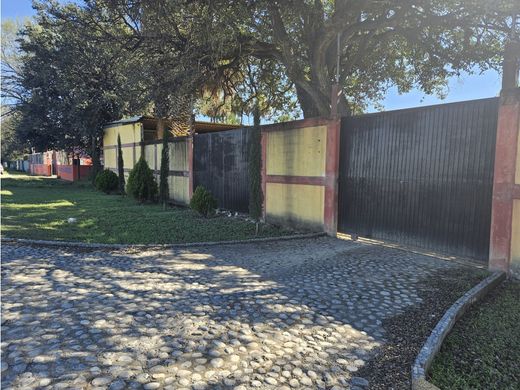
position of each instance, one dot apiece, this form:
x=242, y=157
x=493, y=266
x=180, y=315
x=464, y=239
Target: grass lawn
x=483, y=350
x=38, y=208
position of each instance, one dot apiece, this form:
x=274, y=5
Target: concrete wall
x=299, y=173
x=179, y=179
x=515, y=223
x=40, y=169
x=130, y=144
x=73, y=172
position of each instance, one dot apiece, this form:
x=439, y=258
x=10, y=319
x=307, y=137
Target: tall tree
x=12, y=93
x=74, y=80
x=403, y=43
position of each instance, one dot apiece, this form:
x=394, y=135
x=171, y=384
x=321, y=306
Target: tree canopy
x=292, y=44
x=72, y=80
x=76, y=67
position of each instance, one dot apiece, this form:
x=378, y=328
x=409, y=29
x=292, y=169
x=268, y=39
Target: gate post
x=504, y=251
x=190, y=167
x=331, y=177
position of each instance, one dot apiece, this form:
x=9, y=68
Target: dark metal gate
x=421, y=177
x=220, y=164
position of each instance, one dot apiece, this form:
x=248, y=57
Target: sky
x=466, y=87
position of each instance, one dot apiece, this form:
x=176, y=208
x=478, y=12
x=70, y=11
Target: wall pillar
x=504, y=253
x=190, y=166
x=264, y=135
x=331, y=177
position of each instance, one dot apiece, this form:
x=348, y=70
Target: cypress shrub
x=141, y=182
x=120, y=166
x=164, y=192
x=203, y=202
x=106, y=181
x=255, y=167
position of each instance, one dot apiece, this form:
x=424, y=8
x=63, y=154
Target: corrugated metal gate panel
x=421, y=177
x=220, y=163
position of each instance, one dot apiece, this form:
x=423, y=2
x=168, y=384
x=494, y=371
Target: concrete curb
x=75, y=244
x=433, y=344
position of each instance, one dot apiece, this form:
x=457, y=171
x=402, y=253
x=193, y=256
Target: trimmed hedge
x=141, y=182
x=203, y=202
x=106, y=181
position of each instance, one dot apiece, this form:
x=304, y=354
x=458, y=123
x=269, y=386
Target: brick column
x=331, y=177
x=264, y=135
x=190, y=166
x=506, y=183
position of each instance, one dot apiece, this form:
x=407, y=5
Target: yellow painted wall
x=515, y=238
x=517, y=175
x=178, y=185
x=179, y=189
x=128, y=156
x=130, y=134
x=295, y=204
x=109, y=156
x=179, y=156
x=149, y=155
x=298, y=152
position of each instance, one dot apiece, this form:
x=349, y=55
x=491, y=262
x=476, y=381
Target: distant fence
x=221, y=165
x=179, y=179
x=40, y=169
x=179, y=175
x=18, y=165
x=73, y=172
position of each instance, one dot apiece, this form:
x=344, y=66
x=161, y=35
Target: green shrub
x=106, y=181
x=203, y=202
x=120, y=166
x=141, y=182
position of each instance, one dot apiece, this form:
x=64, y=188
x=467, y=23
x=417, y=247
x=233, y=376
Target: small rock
x=358, y=381
x=218, y=362
x=101, y=381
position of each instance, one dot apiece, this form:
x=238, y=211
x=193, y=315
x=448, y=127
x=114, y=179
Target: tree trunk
x=307, y=104
x=311, y=109
x=343, y=106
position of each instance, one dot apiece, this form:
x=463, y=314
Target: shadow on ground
x=302, y=314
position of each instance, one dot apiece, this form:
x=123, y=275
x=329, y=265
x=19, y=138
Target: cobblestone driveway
x=294, y=314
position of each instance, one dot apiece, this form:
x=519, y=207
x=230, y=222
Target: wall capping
x=297, y=124
x=304, y=180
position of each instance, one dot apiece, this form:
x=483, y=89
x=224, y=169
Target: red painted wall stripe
x=308, y=180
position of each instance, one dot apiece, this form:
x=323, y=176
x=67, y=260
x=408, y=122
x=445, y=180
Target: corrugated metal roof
x=199, y=126
x=132, y=119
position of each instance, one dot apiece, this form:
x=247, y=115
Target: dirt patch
x=407, y=332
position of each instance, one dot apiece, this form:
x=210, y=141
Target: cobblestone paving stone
x=287, y=315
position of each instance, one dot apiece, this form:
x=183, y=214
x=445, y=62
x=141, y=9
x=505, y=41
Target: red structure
x=506, y=186
x=40, y=169
x=65, y=166
x=73, y=172
x=40, y=164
